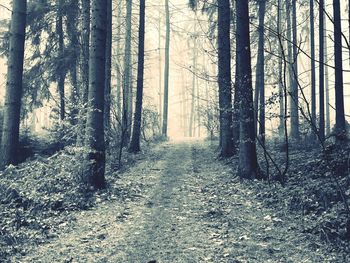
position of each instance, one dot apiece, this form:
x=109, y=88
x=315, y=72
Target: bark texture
x=12, y=108
x=95, y=123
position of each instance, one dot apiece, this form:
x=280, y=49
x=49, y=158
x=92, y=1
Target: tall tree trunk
x=118, y=66
x=321, y=70
x=84, y=68
x=61, y=68
x=136, y=134
x=260, y=72
x=224, y=79
x=248, y=165
x=194, y=68
x=328, y=120
x=72, y=25
x=108, y=69
x=294, y=105
x=338, y=60
x=85, y=48
x=160, y=93
x=313, y=66
x=12, y=109
x=97, y=62
x=166, y=71
x=281, y=128
x=126, y=122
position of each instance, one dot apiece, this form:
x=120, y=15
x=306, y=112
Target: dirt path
x=179, y=204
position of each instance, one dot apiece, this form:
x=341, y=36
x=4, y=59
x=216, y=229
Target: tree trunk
x=61, y=69
x=281, y=128
x=118, y=66
x=260, y=72
x=248, y=166
x=135, y=139
x=95, y=123
x=328, y=120
x=166, y=71
x=85, y=48
x=12, y=108
x=313, y=66
x=294, y=105
x=194, y=68
x=126, y=122
x=339, y=92
x=224, y=79
x=321, y=70
x=108, y=69
x=160, y=71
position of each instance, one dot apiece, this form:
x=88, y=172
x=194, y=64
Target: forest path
x=180, y=204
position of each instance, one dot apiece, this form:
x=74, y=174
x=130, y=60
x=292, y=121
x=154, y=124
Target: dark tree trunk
x=313, y=66
x=224, y=79
x=260, y=73
x=136, y=134
x=321, y=70
x=12, y=109
x=61, y=69
x=338, y=59
x=166, y=71
x=248, y=166
x=95, y=123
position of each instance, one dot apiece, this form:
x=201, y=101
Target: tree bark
x=260, y=73
x=12, y=108
x=281, y=126
x=85, y=48
x=294, y=105
x=95, y=122
x=338, y=60
x=321, y=71
x=313, y=66
x=248, y=165
x=224, y=79
x=166, y=71
x=108, y=69
x=126, y=121
x=135, y=139
x=61, y=69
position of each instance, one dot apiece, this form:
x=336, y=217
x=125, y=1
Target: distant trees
x=14, y=85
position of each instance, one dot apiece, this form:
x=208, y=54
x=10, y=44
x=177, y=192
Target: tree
x=248, y=165
x=294, y=105
x=136, y=134
x=12, y=109
x=95, y=123
x=85, y=48
x=313, y=67
x=224, y=79
x=321, y=72
x=126, y=121
x=108, y=68
x=166, y=70
x=338, y=60
x=260, y=74
x=61, y=65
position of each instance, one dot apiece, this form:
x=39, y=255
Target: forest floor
x=179, y=203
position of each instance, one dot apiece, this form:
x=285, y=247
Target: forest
x=174, y=131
